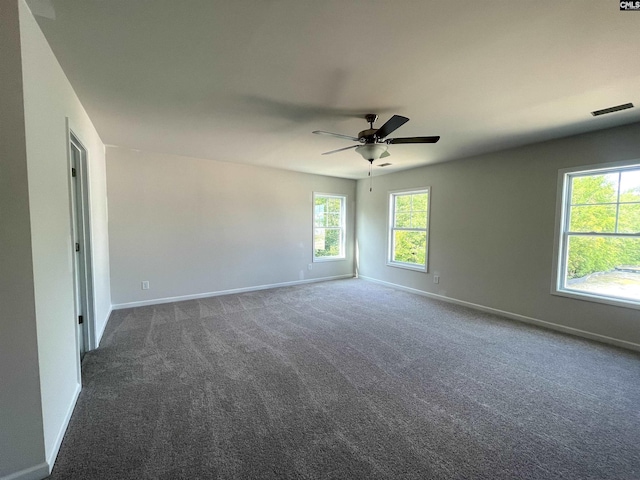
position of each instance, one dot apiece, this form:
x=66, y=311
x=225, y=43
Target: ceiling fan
x=373, y=141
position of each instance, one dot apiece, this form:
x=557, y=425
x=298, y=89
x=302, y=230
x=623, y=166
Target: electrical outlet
x=436, y=279
x=145, y=285
x=310, y=266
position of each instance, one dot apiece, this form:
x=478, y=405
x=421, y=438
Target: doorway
x=80, y=219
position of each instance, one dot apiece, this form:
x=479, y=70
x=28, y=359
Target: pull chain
x=370, y=176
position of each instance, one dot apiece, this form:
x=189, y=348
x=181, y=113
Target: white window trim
x=391, y=200
x=559, y=257
x=343, y=217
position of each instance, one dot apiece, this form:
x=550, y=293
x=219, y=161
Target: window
x=328, y=226
x=599, y=241
x=409, y=228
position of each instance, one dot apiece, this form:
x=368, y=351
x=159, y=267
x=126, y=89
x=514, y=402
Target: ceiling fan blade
x=385, y=154
x=412, y=140
x=394, y=122
x=339, y=135
x=340, y=149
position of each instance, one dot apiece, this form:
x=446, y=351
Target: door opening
x=81, y=245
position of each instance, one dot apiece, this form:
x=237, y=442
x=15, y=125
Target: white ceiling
x=248, y=80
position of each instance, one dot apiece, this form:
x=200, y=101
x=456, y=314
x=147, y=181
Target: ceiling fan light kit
x=372, y=151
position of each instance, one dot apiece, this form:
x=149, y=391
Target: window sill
x=593, y=297
x=328, y=259
x=408, y=266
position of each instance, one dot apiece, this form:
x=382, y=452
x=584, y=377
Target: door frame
x=81, y=212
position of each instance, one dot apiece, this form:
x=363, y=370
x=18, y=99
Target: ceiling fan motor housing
x=367, y=136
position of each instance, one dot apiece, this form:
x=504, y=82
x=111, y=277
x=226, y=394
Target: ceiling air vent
x=617, y=108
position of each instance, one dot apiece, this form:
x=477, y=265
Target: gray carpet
x=348, y=380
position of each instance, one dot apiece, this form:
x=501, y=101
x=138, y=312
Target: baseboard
x=51, y=459
x=513, y=316
x=196, y=296
x=37, y=472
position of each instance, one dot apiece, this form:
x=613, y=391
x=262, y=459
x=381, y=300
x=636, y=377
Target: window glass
x=593, y=218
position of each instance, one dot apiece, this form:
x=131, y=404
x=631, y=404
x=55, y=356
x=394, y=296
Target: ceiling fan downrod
x=371, y=118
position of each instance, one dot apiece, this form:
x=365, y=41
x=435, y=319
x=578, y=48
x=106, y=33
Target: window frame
x=562, y=233
x=342, y=227
x=393, y=194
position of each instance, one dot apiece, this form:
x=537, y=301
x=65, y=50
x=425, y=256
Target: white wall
x=21, y=442
x=492, y=230
x=192, y=226
x=41, y=223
